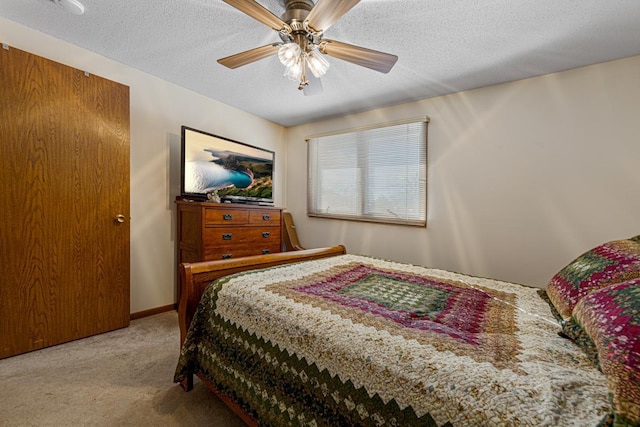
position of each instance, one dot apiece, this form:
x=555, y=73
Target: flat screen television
x=237, y=172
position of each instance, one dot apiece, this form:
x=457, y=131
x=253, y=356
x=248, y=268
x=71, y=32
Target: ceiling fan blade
x=249, y=56
x=259, y=13
x=326, y=12
x=378, y=61
x=313, y=86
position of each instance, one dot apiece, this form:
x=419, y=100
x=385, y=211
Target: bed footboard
x=196, y=276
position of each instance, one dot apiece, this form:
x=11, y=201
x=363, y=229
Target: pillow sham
x=606, y=324
x=612, y=262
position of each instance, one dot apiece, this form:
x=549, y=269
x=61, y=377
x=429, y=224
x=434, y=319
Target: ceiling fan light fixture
x=317, y=63
x=72, y=6
x=289, y=54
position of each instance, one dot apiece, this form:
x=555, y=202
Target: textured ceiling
x=443, y=46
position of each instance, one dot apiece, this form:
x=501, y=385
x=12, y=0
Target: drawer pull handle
x=226, y=236
x=265, y=234
x=266, y=217
x=265, y=251
x=226, y=256
x=227, y=217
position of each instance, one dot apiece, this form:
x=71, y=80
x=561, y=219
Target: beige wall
x=523, y=176
x=158, y=109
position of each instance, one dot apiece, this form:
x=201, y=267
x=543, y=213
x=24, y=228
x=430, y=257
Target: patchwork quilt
x=351, y=340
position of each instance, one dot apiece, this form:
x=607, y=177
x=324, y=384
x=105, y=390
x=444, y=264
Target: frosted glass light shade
x=317, y=63
x=294, y=71
x=289, y=53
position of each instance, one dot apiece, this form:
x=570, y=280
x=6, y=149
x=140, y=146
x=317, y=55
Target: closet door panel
x=64, y=174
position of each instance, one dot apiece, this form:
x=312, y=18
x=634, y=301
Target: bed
x=322, y=337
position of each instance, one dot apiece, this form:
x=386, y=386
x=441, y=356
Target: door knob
x=120, y=219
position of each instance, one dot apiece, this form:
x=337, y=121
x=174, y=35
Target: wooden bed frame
x=195, y=277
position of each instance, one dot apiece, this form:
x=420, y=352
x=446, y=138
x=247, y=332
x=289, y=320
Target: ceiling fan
x=302, y=48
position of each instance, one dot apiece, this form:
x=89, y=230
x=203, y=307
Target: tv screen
x=238, y=172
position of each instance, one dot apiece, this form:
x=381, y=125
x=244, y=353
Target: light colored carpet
x=121, y=378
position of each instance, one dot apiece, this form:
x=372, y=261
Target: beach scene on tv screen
x=227, y=167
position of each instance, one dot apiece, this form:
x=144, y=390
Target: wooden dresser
x=214, y=231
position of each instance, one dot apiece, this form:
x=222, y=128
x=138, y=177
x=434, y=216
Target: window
x=375, y=174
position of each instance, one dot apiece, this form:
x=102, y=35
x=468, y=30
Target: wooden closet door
x=64, y=180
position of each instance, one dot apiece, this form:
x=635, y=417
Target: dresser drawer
x=237, y=251
x=268, y=218
x=216, y=237
x=226, y=217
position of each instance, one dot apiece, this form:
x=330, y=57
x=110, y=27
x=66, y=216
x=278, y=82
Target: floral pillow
x=606, y=323
x=607, y=264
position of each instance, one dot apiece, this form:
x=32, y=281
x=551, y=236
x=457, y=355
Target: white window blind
x=374, y=174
